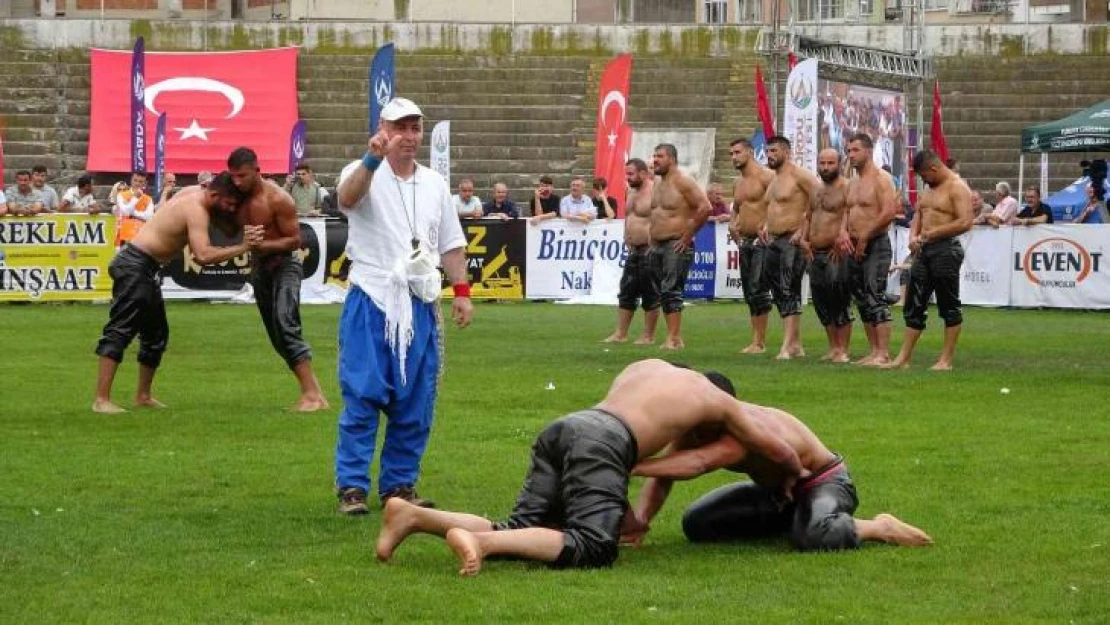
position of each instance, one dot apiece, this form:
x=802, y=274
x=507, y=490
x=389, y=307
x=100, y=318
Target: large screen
x=845, y=109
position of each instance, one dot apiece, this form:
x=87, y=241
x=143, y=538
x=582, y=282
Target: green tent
x=1085, y=131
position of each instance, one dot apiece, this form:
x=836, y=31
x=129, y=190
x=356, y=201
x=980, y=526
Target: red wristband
x=461, y=290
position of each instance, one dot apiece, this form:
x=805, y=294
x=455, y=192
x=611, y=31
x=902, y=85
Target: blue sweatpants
x=370, y=381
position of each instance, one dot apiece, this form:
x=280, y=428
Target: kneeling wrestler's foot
x=466, y=547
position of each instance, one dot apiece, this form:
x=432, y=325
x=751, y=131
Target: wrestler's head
x=664, y=159
x=741, y=152
x=860, y=148
x=634, y=171
x=778, y=152
x=222, y=199
x=828, y=165
x=243, y=167
x=929, y=166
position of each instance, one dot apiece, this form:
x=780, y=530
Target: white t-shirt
x=3, y=198
x=378, y=227
x=78, y=203
x=465, y=209
x=568, y=206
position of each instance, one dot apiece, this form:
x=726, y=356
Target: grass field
x=221, y=507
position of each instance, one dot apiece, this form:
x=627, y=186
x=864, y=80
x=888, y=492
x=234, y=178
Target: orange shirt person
x=133, y=207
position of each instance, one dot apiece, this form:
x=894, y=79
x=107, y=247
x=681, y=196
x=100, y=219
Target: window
x=716, y=11
x=866, y=7
x=749, y=11
x=818, y=10
x=936, y=5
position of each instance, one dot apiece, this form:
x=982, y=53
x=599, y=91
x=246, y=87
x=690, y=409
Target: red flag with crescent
x=214, y=102
x=614, y=137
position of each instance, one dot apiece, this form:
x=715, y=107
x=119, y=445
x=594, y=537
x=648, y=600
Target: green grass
x=221, y=508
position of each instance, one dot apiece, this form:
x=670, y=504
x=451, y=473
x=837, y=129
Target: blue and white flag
x=381, y=84
x=759, y=147
x=296, y=145
x=138, y=108
x=159, y=155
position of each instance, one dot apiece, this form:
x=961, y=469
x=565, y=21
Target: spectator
x=49, y=195
x=3, y=203
x=501, y=207
x=1094, y=205
x=467, y=205
x=979, y=208
x=1035, y=212
x=24, y=199
x=606, y=206
x=307, y=194
x=1005, y=209
x=545, y=203
x=204, y=177
x=718, y=209
x=576, y=206
x=133, y=206
x=169, y=188
x=79, y=199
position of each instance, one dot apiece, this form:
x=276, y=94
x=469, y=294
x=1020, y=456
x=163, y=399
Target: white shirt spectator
x=1006, y=210
x=569, y=207
x=3, y=198
x=50, y=197
x=78, y=203
x=466, y=209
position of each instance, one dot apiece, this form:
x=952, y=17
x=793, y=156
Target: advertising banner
x=702, y=277
x=495, y=259
x=560, y=256
x=727, y=284
x=56, y=257
x=1060, y=266
x=984, y=276
x=800, y=120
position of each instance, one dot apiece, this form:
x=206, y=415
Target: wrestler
x=637, y=287
x=827, y=247
x=137, y=306
x=749, y=212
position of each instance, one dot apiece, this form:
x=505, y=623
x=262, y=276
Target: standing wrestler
x=790, y=198
x=943, y=213
x=749, y=212
x=403, y=227
x=137, y=306
x=828, y=247
x=637, y=286
x=573, y=507
x=276, y=272
x=679, y=209
x=873, y=204
x=816, y=511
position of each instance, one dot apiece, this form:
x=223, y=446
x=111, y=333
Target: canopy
x=1085, y=131
x=1068, y=202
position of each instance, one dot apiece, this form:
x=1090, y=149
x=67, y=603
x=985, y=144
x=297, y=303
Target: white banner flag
x=1060, y=266
x=441, y=149
x=800, y=120
x=1044, y=175
x=985, y=276
x=560, y=256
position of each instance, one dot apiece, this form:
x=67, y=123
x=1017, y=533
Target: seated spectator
x=308, y=195
x=24, y=199
x=1004, y=211
x=1093, y=206
x=169, y=188
x=606, y=206
x=501, y=207
x=49, y=195
x=133, y=206
x=79, y=199
x=545, y=203
x=3, y=203
x=719, y=211
x=1035, y=211
x=576, y=206
x=467, y=205
x=979, y=208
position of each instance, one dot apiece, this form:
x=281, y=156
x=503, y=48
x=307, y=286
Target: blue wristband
x=371, y=162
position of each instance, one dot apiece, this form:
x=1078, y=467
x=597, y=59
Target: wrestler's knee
x=831, y=533
x=151, y=355
x=953, y=317
x=759, y=306
x=110, y=349
x=696, y=526
x=627, y=303
x=672, y=304
x=914, y=320
x=587, y=547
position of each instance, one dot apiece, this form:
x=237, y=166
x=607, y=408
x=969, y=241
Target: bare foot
x=865, y=361
x=829, y=355
x=398, y=518
x=149, y=402
x=797, y=352
x=615, y=338
x=311, y=404
x=754, y=348
x=841, y=358
x=783, y=355
x=672, y=344
x=466, y=547
x=941, y=366
x=897, y=532
x=644, y=340
x=897, y=363
x=877, y=361
x=104, y=406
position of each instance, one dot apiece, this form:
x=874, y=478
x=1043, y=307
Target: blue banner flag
x=159, y=155
x=701, y=282
x=138, y=113
x=296, y=145
x=759, y=147
x=381, y=84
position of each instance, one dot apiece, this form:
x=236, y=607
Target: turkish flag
x=763, y=106
x=612, y=113
x=214, y=103
x=936, y=133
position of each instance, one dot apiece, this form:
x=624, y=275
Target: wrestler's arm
x=811, y=185
x=757, y=439
x=289, y=229
x=685, y=464
x=200, y=245
x=960, y=196
x=696, y=197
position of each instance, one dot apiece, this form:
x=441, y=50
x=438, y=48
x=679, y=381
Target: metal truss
x=837, y=56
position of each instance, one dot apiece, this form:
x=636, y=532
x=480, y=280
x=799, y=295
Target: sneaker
x=352, y=501
x=408, y=493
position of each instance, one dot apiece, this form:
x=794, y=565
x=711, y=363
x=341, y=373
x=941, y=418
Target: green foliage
x=220, y=508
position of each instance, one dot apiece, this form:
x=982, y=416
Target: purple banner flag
x=138, y=114
x=296, y=146
x=159, y=155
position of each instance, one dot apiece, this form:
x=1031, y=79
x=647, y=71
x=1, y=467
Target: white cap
x=400, y=108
